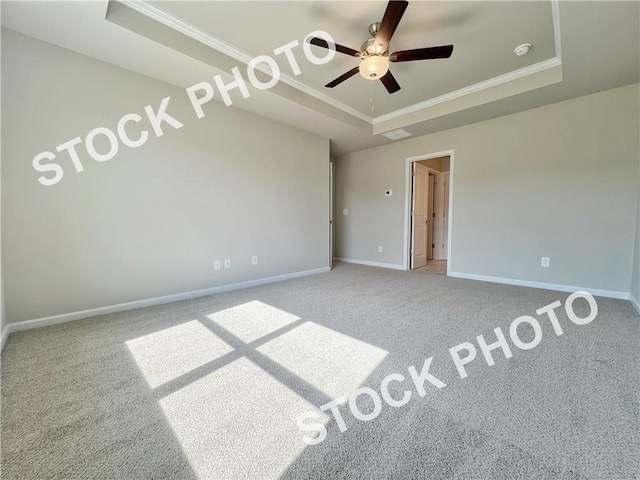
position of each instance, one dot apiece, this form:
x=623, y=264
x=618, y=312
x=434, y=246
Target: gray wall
x=558, y=181
x=635, y=275
x=3, y=310
x=151, y=221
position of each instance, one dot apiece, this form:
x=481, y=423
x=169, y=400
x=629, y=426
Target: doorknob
x=426, y=221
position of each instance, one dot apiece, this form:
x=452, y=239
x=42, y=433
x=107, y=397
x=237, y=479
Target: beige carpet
x=212, y=387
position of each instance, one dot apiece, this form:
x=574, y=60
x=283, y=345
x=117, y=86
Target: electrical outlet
x=345, y=211
x=379, y=248
x=227, y=263
x=545, y=262
x=216, y=265
x=254, y=260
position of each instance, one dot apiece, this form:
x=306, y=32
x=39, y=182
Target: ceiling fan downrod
x=369, y=47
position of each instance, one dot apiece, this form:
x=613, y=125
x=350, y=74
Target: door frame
x=408, y=202
x=438, y=251
x=331, y=206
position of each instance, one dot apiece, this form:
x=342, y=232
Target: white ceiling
x=578, y=48
x=480, y=53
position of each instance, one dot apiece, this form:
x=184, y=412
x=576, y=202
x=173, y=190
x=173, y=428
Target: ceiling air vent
x=397, y=134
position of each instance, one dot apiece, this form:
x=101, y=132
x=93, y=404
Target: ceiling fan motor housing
x=369, y=47
x=374, y=55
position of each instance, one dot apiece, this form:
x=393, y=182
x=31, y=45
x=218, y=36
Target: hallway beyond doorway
x=434, y=266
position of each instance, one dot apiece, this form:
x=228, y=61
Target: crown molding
x=555, y=15
x=159, y=15
x=492, y=82
x=463, y=92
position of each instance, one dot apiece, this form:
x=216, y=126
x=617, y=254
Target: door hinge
x=433, y=245
x=434, y=215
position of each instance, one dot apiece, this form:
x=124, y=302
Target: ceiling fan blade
x=422, y=54
x=339, y=48
x=343, y=77
x=390, y=83
x=392, y=16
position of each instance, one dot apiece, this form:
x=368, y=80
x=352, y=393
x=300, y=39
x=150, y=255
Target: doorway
x=428, y=212
x=331, y=204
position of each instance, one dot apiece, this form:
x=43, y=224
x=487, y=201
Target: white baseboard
x=121, y=307
x=371, y=264
x=3, y=337
x=545, y=286
x=634, y=303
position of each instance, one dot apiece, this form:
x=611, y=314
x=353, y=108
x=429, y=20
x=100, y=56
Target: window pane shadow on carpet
x=222, y=406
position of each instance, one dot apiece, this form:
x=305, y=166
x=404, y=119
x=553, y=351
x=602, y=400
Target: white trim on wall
x=407, y=204
x=545, y=286
x=440, y=218
x=469, y=90
x=331, y=207
x=122, y=307
x=4, y=336
x=160, y=15
x=634, y=303
x=370, y=264
x=512, y=281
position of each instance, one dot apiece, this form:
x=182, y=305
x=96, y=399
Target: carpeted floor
x=212, y=387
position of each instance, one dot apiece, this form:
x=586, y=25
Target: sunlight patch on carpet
x=237, y=422
x=252, y=320
x=167, y=354
x=332, y=362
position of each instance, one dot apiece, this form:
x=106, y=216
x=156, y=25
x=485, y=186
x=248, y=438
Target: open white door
x=419, y=216
x=430, y=215
x=331, y=215
x=445, y=229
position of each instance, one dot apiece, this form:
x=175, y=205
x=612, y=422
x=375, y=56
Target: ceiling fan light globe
x=374, y=67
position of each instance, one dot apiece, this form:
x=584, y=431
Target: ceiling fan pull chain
x=373, y=107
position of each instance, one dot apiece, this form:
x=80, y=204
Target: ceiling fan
x=374, y=53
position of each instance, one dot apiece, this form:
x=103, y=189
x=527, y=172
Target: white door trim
x=438, y=252
x=407, y=204
x=331, y=193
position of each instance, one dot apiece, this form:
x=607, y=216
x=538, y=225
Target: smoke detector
x=523, y=49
